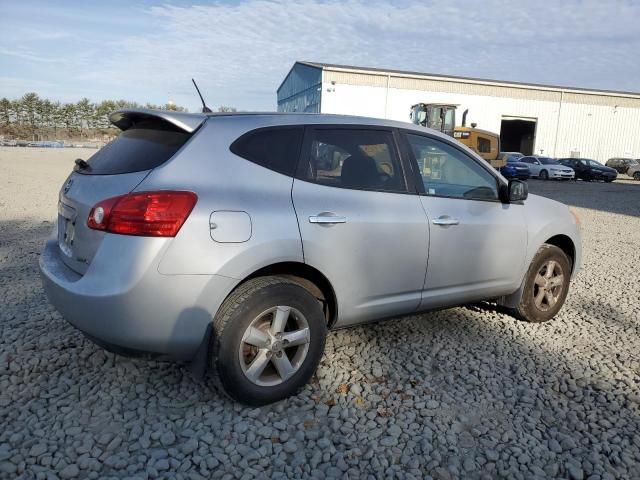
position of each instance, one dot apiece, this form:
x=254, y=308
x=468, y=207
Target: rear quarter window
x=142, y=147
x=275, y=148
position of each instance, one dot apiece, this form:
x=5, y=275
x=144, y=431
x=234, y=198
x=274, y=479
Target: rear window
x=143, y=147
x=277, y=148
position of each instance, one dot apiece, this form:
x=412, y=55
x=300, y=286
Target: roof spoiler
x=125, y=119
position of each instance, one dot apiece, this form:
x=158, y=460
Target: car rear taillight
x=150, y=214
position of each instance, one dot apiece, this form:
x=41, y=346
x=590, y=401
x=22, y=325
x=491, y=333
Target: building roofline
x=306, y=64
x=438, y=76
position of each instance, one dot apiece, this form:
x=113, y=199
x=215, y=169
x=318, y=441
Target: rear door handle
x=445, y=220
x=327, y=218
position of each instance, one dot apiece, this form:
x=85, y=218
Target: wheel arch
x=564, y=243
x=309, y=278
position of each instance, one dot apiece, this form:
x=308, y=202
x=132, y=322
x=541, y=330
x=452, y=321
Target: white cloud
x=240, y=52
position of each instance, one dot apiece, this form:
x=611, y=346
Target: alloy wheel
x=548, y=285
x=274, y=346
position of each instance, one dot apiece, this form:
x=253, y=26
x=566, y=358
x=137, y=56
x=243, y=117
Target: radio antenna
x=205, y=109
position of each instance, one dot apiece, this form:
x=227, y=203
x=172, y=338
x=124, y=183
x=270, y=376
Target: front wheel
x=546, y=285
x=636, y=176
x=269, y=337
x=544, y=175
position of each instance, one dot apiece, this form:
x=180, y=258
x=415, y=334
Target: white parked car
x=546, y=168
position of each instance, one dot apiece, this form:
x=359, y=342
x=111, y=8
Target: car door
x=582, y=169
x=359, y=225
x=477, y=244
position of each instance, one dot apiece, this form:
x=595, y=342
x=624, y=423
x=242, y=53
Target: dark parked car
x=514, y=168
x=588, y=170
x=621, y=164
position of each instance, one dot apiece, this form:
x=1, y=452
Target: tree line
x=33, y=117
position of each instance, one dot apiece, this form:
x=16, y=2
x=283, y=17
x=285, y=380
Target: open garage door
x=518, y=134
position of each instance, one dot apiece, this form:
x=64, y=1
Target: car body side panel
x=481, y=257
x=210, y=170
x=376, y=260
x=547, y=218
x=122, y=299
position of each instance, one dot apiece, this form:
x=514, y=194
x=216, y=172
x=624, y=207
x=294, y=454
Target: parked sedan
x=515, y=169
x=588, y=170
x=237, y=241
x=546, y=168
x=512, y=156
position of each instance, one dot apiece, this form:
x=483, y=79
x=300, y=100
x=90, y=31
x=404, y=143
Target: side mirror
x=518, y=191
x=515, y=191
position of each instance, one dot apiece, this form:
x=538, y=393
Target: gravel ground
x=461, y=393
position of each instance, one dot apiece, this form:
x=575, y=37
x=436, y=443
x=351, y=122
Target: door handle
x=327, y=218
x=445, y=220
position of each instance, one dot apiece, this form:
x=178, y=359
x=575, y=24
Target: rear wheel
x=268, y=339
x=544, y=175
x=636, y=176
x=546, y=285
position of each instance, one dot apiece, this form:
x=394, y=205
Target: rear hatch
x=148, y=140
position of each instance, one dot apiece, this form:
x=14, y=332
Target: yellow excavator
x=442, y=117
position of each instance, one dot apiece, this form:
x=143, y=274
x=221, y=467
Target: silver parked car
x=546, y=168
x=236, y=241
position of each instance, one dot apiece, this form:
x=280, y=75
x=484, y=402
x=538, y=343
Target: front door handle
x=445, y=220
x=327, y=218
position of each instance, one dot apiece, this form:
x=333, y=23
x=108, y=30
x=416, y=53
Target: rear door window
x=275, y=148
x=142, y=147
x=360, y=159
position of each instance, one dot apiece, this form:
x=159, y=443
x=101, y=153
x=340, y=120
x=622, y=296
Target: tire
x=256, y=304
x=528, y=309
x=544, y=175
x=636, y=176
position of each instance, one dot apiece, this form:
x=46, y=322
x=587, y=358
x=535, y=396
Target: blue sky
x=240, y=51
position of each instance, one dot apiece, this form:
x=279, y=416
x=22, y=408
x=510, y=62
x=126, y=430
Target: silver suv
x=236, y=241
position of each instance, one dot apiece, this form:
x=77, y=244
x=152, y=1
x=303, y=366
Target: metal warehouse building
x=552, y=120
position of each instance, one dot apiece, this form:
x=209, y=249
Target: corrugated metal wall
x=597, y=126
x=301, y=90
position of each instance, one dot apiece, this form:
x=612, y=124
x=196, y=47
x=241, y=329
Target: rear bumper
x=124, y=304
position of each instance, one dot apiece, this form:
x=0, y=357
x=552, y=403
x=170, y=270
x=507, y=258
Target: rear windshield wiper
x=82, y=164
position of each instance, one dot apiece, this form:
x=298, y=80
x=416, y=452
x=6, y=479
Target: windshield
x=435, y=119
x=592, y=163
x=418, y=116
x=548, y=161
